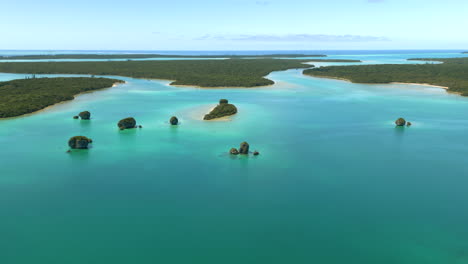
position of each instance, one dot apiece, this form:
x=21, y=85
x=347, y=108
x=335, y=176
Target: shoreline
x=170, y=84
x=60, y=103
x=446, y=88
x=231, y=87
x=217, y=87
x=422, y=84
x=198, y=112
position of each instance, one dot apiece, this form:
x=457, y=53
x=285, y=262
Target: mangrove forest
x=25, y=96
x=204, y=73
x=451, y=73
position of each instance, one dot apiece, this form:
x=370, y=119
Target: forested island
x=203, y=73
x=452, y=73
x=146, y=56
x=224, y=108
x=19, y=97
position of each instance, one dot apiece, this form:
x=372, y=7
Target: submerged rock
x=221, y=110
x=400, y=122
x=234, y=151
x=85, y=115
x=174, y=121
x=127, y=123
x=79, y=142
x=244, y=148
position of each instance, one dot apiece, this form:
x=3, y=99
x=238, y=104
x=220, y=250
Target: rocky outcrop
x=244, y=148
x=76, y=117
x=221, y=110
x=400, y=122
x=174, y=121
x=234, y=151
x=408, y=124
x=79, y=142
x=85, y=115
x=127, y=123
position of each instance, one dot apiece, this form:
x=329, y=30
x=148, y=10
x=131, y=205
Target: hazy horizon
x=237, y=50
x=234, y=25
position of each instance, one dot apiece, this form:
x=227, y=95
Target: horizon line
x=166, y=50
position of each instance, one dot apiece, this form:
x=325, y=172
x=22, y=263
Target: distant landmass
x=146, y=56
x=25, y=96
x=452, y=73
x=203, y=73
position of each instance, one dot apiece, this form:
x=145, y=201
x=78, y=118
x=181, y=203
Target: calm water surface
x=335, y=182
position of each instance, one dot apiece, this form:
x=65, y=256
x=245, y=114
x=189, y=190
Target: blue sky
x=233, y=24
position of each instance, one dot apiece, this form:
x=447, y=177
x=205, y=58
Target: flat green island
x=452, y=73
x=203, y=73
x=25, y=96
x=332, y=60
x=146, y=56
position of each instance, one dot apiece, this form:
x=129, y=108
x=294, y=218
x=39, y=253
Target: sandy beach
x=197, y=113
x=422, y=84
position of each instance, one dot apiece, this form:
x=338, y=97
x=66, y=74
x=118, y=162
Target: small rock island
x=127, y=123
x=243, y=149
x=85, y=115
x=224, y=108
x=400, y=122
x=174, y=121
x=79, y=142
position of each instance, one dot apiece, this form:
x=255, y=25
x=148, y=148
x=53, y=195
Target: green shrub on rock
x=400, y=122
x=174, y=121
x=127, y=123
x=244, y=148
x=85, y=115
x=79, y=142
x=234, y=151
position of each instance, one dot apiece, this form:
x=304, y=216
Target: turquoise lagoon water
x=335, y=182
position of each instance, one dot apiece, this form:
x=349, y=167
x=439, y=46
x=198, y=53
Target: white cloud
x=295, y=38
